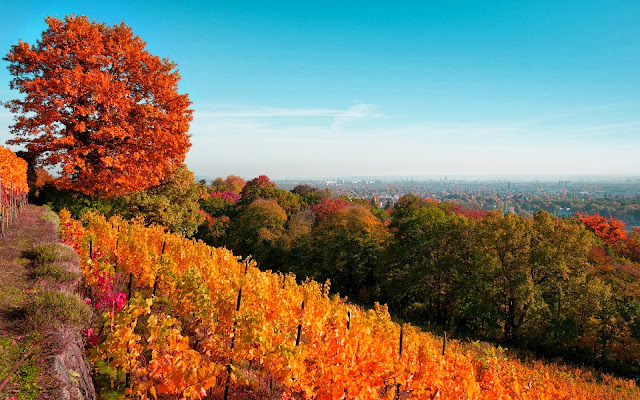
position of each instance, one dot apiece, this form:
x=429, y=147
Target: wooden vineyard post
x=88, y=289
x=127, y=376
x=115, y=251
x=130, y=287
x=11, y=204
x=233, y=338
x=300, y=324
x=346, y=392
x=444, y=342
x=399, y=356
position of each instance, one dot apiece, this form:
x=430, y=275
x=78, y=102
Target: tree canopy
x=97, y=103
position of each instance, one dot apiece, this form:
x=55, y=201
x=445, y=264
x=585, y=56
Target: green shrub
x=48, y=253
x=50, y=216
x=78, y=204
x=56, y=272
x=65, y=253
x=43, y=254
x=50, y=310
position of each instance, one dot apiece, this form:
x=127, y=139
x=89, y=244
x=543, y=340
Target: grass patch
x=24, y=382
x=50, y=253
x=11, y=296
x=51, y=216
x=50, y=310
x=28, y=375
x=54, y=271
x=43, y=254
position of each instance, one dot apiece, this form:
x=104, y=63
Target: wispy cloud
x=355, y=112
x=261, y=112
x=358, y=110
x=334, y=119
x=620, y=125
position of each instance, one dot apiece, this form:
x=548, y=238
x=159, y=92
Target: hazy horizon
x=338, y=89
x=432, y=178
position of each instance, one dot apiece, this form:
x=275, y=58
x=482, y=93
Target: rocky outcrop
x=70, y=367
x=68, y=364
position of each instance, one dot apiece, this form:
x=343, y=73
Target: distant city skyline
x=339, y=89
x=525, y=178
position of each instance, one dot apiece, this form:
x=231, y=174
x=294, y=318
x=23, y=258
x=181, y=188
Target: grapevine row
x=13, y=187
x=197, y=319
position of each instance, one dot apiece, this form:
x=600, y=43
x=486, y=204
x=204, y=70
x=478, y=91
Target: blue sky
x=316, y=89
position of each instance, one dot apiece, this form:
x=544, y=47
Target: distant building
x=564, y=212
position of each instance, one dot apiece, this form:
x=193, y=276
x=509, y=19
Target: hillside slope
x=184, y=320
x=40, y=317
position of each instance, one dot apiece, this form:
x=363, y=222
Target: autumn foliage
x=13, y=175
x=328, y=207
x=96, y=102
x=613, y=234
x=198, y=320
x=13, y=187
x=609, y=230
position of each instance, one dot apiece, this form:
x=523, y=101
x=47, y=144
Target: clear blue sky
x=304, y=89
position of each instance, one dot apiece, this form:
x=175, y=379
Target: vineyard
x=13, y=187
x=181, y=319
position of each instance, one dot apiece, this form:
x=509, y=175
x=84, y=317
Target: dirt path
x=23, y=351
x=15, y=283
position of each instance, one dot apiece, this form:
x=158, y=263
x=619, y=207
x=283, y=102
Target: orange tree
x=97, y=103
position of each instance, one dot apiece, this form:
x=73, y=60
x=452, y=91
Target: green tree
x=310, y=196
x=259, y=231
x=346, y=247
x=427, y=262
x=559, y=268
x=505, y=244
x=174, y=203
